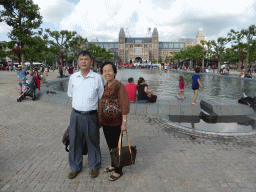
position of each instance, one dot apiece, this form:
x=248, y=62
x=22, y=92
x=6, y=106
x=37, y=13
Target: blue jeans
x=143, y=101
x=22, y=83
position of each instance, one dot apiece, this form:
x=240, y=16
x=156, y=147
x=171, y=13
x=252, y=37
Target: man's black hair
x=84, y=53
x=110, y=63
x=130, y=80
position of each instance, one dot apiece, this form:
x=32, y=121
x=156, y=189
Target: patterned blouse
x=113, y=104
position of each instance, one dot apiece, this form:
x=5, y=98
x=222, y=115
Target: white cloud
x=4, y=28
x=173, y=18
x=53, y=11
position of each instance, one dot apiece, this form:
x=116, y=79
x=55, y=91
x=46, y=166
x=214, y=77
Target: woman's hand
x=124, y=126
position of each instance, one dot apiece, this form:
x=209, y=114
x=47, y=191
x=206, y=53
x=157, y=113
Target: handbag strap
x=120, y=140
x=119, y=145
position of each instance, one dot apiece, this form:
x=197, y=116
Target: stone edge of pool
x=161, y=109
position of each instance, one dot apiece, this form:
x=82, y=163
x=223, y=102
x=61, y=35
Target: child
x=195, y=84
x=181, y=87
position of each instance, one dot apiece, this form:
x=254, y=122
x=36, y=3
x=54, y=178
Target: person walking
x=61, y=71
x=46, y=70
x=114, y=107
x=85, y=88
x=195, y=84
x=21, y=72
x=160, y=68
x=131, y=89
x=181, y=87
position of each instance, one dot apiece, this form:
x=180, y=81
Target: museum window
x=138, y=41
x=176, y=45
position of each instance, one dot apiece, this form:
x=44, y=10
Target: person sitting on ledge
x=241, y=74
x=143, y=91
x=131, y=89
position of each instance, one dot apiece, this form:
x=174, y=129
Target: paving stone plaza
x=33, y=158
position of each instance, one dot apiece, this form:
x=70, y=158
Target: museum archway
x=138, y=60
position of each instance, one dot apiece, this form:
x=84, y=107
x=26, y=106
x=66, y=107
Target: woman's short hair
x=108, y=63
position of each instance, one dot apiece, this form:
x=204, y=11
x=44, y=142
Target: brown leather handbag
x=123, y=156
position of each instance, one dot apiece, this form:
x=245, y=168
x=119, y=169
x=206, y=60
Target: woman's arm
x=125, y=107
x=124, y=123
x=146, y=90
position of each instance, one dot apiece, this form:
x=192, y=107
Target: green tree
x=248, y=34
x=238, y=46
x=2, y=51
x=76, y=45
x=166, y=60
x=35, y=48
x=24, y=17
x=219, y=49
x=160, y=59
x=61, y=42
x=154, y=62
x=203, y=53
x=100, y=54
x=209, y=51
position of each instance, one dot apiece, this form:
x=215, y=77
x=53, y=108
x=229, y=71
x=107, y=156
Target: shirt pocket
x=92, y=90
x=76, y=86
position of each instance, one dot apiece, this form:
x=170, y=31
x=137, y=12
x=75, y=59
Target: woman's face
x=108, y=72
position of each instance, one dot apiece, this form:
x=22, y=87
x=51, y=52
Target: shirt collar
x=90, y=74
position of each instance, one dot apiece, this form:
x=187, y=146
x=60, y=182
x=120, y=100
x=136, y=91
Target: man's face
x=85, y=62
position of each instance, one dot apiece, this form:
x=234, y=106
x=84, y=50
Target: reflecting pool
x=165, y=84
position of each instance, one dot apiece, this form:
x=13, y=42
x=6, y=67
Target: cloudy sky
x=173, y=19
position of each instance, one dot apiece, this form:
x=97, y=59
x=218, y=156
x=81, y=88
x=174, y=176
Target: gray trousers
x=84, y=128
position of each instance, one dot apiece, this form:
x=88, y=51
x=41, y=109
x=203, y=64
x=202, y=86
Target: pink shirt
x=181, y=85
x=131, y=90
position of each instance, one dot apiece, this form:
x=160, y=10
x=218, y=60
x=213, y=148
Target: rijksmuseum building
x=145, y=49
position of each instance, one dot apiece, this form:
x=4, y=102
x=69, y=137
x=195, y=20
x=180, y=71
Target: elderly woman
x=113, y=112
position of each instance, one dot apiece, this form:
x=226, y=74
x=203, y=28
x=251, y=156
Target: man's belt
x=86, y=112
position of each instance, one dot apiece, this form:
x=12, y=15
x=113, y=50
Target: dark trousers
x=112, y=135
x=84, y=128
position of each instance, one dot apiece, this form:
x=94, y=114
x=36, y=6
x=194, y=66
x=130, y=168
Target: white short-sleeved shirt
x=85, y=91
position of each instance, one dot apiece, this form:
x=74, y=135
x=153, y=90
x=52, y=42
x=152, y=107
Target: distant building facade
x=193, y=41
x=145, y=49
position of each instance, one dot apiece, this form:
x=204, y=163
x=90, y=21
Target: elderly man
x=85, y=89
x=21, y=72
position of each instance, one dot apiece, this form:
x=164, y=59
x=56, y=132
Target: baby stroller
x=29, y=90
